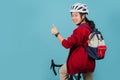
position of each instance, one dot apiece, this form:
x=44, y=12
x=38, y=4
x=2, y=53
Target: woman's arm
x=75, y=38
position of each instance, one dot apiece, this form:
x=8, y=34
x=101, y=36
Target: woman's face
x=76, y=17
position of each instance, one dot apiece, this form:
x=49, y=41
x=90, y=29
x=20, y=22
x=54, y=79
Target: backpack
x=96, y=45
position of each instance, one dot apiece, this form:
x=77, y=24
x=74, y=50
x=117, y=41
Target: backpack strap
x=85, y=25
x=100, y=37
x=95, y=31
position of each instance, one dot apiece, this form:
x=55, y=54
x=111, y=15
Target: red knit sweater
x=78, y=60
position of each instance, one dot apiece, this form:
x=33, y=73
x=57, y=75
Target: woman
x=78, y=60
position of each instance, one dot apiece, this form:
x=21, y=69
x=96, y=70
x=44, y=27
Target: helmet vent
x=80, y=8
x=84, y=9
x=76, y=7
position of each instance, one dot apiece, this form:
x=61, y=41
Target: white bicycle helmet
x=78, y=7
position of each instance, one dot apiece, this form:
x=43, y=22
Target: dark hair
x=91, y=23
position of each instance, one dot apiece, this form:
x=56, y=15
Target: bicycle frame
x=53, y=65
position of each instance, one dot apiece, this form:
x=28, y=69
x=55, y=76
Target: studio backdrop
x=27, y=45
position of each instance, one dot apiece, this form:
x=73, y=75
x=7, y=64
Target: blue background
x=27, y=46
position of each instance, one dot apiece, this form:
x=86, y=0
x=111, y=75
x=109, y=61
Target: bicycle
x=71, y=77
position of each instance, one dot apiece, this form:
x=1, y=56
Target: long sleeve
x=75, y=39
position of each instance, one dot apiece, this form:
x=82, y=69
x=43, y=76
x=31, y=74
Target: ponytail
x=91, y=23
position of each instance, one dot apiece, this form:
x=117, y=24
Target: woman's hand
x=54, y=30
x=56, y=33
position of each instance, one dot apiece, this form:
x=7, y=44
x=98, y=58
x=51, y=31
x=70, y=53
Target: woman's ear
x=83, y=17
